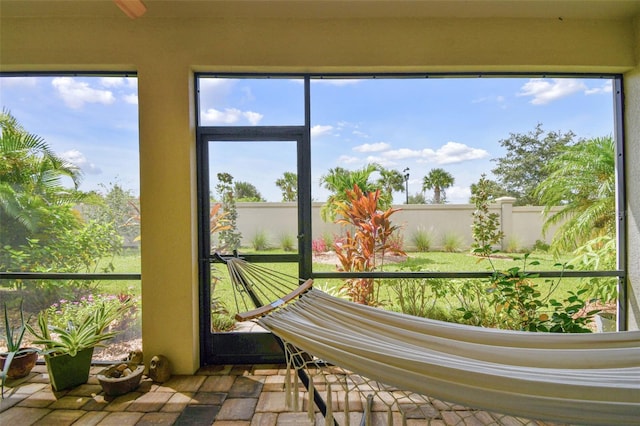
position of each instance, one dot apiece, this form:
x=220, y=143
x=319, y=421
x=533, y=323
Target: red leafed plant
x=369, y=238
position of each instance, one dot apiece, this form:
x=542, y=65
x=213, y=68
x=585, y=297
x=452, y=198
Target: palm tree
x=339, y=180
x=288, y=184
x=390, y=181
x=30, y=181
x=438, y=180
x=582, y=183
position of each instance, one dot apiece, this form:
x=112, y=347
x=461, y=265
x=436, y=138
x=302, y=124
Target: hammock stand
x=573, y=378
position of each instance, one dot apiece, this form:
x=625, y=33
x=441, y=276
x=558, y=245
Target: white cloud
x=79, y=160
x=253, y=117
x=75, y=93
x=458, y=194
x=112, y=81
x=449, y=153
x=360, y=134
x=607, y=87
x=319, y=130
x=131, y=99
x=345, y=159
x=544, y=91
x=372, y=147
x=213, y=116
x=455, y=152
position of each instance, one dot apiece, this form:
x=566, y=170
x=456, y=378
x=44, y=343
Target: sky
x=420, y=124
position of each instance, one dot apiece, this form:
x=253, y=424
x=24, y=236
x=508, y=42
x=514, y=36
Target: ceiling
x=333, y=9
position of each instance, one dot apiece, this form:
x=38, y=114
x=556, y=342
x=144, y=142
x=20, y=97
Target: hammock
x=572, y=378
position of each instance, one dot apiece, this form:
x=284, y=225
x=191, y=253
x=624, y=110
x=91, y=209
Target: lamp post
x=406, y=182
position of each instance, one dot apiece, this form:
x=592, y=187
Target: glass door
x=251, y=206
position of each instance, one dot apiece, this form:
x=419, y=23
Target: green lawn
x=429, y=261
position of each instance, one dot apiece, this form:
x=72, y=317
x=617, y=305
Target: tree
x=438, y=180
x=41, y=231
x=246, y=192
x=288, y=184
x=229, y=238
x=523, y=167
x=418, y=198
x=486, y=225
x=390, y=181
x=30, y=181
x=582, y=181
x=490, y=189
x=340, y=180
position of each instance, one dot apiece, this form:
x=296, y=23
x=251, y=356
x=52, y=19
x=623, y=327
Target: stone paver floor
x=225, y=395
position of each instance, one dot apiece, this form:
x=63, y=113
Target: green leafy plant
x=287, y=242
x=486, y=225
x=13, y=338
x=221, y=320
x=451, y=242
x=368, y=239
x=260, y=240
x=421, y=239
x=89, y=332
x=520, y=304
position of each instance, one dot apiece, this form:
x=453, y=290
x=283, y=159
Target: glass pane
x=253, y=196
x=251, y=101
x=274, y=280
x=73, y=171
x=426, y=142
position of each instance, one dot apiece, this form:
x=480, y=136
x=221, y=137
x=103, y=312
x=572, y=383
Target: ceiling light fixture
x=132, y=8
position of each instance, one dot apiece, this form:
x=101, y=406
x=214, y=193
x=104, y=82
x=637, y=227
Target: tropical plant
x=287, y=242
x=368, y=238
x=13, y=338
x=288, y=184
x=30, y=182
x=438, y=180
x=486, y=225
x=582, y=182
x=229, y=237
x=598, y=254
x=247, y=192
x=340, y=180
x=421, y=239
x=90, y=332
x=390, y=181
x=523, y=167
x=260, y=240
x=451, y=242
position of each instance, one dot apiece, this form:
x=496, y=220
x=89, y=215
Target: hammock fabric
x=572, y=378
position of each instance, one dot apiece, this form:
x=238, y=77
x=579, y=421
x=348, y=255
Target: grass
x=416, y=261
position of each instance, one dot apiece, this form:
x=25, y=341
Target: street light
x=406, y=182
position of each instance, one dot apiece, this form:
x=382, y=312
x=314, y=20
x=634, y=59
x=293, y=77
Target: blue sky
x=451, y=123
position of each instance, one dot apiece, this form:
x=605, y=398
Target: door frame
x=240, y=348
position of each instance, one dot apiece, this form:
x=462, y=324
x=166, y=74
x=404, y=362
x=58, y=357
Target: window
x=70, y=204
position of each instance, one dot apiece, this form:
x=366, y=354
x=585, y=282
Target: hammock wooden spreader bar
x=571, y=378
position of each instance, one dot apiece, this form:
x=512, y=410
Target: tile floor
x=251, y=395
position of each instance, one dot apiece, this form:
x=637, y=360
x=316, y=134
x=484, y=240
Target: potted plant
x=17, y=361
x=68, y=351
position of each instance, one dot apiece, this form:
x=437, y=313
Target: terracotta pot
x=21, y=365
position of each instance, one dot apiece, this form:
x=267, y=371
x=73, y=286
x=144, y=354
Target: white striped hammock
x=571, y=378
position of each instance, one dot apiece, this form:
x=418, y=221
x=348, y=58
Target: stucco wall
x=521, y=225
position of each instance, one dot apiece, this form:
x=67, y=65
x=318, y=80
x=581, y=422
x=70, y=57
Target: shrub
x=421, y=239
x=64, y=311
x=513, y=245
x=260, y=241
x=451, y=242
x=287, y=242
x=540, y=246
x=318, y=246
